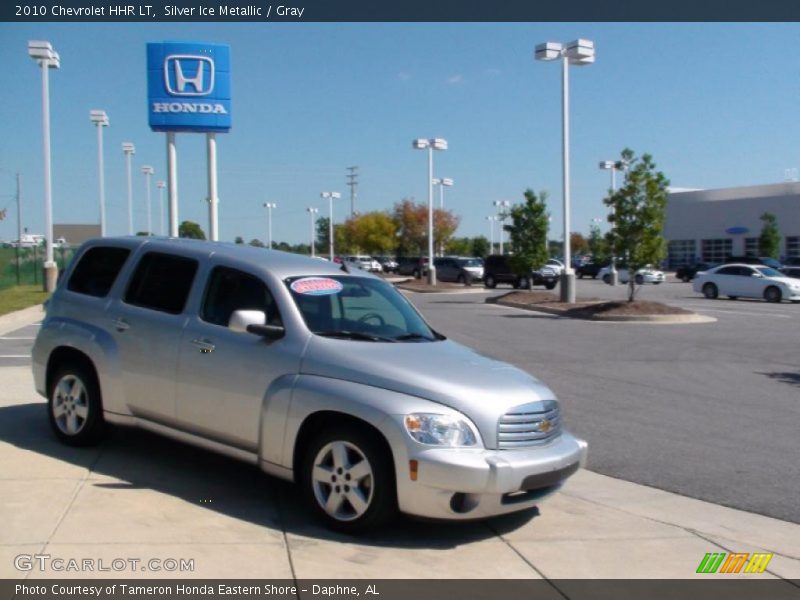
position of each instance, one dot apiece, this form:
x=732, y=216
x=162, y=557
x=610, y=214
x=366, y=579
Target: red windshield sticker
x=316, y=286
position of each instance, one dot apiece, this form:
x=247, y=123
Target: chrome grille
x=522, y=426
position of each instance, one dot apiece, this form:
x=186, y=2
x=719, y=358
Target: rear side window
x=97, y=270
x=162, y=282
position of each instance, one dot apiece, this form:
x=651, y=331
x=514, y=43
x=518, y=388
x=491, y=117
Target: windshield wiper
x=413, y=336
x=355, y=335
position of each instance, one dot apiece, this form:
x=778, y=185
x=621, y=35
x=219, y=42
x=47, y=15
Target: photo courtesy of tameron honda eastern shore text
x=319, y=375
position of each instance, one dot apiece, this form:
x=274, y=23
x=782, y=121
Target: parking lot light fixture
x=502, y=206
x=430, y=145
x=312, y=213
x=330, y=197
x=613, y=166
x=129, y=150
x=491, y=219
x=442, y=182
x=47, y=58
x=579, y=52
x=148, y=171
x=161, y=185
x=269, y=206
x=100, y=119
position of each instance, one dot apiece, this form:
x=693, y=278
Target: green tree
x=239, y=240
x=412, y=226
x=598, y=245
x=461, y=246
x=257, y=243
x=372, y=233
x=191, y=230
x=638, y=212
x=479, y=247
x=578, y=244
x=769, y=243
x=528, y=232
x=323, y=233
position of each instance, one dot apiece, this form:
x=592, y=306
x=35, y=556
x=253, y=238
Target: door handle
x=205, y=346
x=121, y=324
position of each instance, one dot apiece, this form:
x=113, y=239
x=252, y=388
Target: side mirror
x=254, y=321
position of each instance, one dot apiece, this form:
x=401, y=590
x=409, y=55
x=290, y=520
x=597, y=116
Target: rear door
x=147, y=323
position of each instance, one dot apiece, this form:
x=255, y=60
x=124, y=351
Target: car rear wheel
x=607, y=279
x=550, y=285
x=490, y=282
x=772, y=294
x=686, y=279
x=710, y=291
x=75, y=407
x=580, y=275
x=639, y=279
x=460, y=279
x=416, y=274
x=733, y=297
x=348, y=479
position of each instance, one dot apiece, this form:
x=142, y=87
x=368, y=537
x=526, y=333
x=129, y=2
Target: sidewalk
x=139, y=495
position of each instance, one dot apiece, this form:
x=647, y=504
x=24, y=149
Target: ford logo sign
x=736, y=230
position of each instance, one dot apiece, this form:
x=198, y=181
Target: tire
x=370, y=503
x=550, y=285
x=525, y=283
x=772, y=294
x=686, y=279
x=460, y=279
x=607, y=279
x=416, y=274
x=490, y=282
x=580, y=275
x=74, y=405
x=733, y=297
x=710, y=291
x=639, y=279
x=517, y=283
x=656, y=283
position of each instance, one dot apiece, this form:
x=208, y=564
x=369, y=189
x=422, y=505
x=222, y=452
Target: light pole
x=161, y=185
x=579, y=52
x=269, y=206
x=613, y=166
x=47, y=58
x=442, y=182
x=329, y=196
x=501, y=217
x=430, y=145
x=129, y=149
x=148, y=171
x=100, y=119
x=491, y=219
x=312, y=212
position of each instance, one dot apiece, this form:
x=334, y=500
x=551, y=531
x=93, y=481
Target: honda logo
x=188, y=75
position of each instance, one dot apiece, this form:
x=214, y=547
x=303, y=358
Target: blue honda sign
x=189, y=86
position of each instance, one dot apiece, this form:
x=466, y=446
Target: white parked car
x=555, y=266
x=645, y=275
x=366, y=263
x=747, y=281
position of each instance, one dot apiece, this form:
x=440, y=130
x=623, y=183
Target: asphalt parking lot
x=707, y=410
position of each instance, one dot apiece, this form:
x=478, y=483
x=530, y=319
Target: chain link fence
x=23, y=266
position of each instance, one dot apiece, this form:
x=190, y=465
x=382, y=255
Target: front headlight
x=440, y=430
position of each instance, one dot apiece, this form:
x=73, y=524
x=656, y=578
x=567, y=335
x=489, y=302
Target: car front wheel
x=75, y=407
x=772, y=294
x=710, y=291
x=348, y=479
x=489, y=282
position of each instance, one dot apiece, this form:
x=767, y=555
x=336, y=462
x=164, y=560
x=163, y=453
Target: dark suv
x=497, y=269
x=415, y=266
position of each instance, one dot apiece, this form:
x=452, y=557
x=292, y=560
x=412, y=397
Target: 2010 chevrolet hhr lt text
x=318, y=375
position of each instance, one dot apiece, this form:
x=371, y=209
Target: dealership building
x=711, y=225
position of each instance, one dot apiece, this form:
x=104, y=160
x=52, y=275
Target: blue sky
x=716, y=104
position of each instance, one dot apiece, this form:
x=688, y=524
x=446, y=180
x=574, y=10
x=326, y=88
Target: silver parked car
x=325, y=377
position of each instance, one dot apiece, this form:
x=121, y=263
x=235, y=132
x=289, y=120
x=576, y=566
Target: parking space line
x=740, y=312
x=15, y=356
x=16, y=338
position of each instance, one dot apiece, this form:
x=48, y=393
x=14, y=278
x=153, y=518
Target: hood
x=445, y=372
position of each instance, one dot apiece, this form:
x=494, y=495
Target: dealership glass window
x=717, y=250
x=682, y=252
x=751, y=246
x=793, y=246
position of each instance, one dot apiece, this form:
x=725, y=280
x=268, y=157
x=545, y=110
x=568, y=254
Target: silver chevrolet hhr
x=317, y=375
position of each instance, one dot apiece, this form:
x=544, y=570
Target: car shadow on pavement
x=785, y=377
x=134, y=459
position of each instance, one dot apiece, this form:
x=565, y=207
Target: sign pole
x=172, y=183
x=211, y=146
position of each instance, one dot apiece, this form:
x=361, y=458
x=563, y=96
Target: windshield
x=357, y=308
x=769, y=272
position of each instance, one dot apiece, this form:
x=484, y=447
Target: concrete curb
x=20, y=318
x=693, y=318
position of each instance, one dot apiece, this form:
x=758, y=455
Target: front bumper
x=470, y=484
